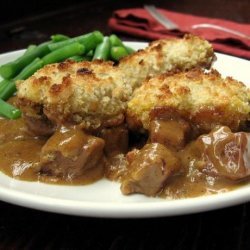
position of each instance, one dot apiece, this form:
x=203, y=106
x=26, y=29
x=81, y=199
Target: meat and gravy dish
x=161, y=122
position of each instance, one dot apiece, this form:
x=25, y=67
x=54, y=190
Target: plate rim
x=165, y=207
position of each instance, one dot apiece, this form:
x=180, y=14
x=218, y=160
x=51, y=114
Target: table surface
x=23, y=228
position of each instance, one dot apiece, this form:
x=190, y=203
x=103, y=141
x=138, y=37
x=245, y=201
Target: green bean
x=102, y=50
x=30, y=69
x=11, y=69
x=90, y=53
x=80, y=58
x=76, y=58
x=61, y=54
x=116, y=41
x=29, y=49
x=89, y=40
x=129, y=50
x=9, y=87
x=8, y=110
x=3, y=84
x=117, y=52
x=8, y=91
x=58, y=38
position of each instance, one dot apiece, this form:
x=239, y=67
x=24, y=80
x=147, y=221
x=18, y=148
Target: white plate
x=103, y=198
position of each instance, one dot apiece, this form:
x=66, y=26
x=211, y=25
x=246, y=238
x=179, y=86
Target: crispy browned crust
x=204, y=99
x=87, y=93
x=167, y=55
x=160, y=45
x=95, y=94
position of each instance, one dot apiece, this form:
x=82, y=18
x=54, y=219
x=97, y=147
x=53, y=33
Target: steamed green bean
x=89, y=40
x=63, y=53
x=102, y=50
x=59, y=37
x=118, y=52
x=10, y=70
x=9, y=111
x=9, y=87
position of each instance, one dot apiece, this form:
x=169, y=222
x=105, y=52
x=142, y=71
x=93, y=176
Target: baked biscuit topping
x=204, y=99
x=95, y=94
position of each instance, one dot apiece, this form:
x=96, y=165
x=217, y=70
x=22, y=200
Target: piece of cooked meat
x=203, y=99
x=172, y=133
x=167, y=55
x=221, y=153
x=149, y=170
x=69, y=152
x=95, y=94
x=116, y=140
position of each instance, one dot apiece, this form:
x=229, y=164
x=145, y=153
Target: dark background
x=23, y=23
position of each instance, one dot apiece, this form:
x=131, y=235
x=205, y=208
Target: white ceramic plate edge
x=22, y=193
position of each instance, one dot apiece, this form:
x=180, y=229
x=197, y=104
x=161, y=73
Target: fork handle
x=217, y=27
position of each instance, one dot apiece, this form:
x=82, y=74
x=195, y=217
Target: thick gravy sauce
x=20, y=153
x=20, y=156
x=194, y=184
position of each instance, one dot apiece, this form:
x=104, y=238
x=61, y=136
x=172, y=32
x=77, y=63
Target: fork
x=169, y=24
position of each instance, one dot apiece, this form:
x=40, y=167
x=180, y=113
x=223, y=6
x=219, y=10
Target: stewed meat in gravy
x=149, y=169
x=212, y=163
x=69, y=152
x=26, y=156
x=156, y=122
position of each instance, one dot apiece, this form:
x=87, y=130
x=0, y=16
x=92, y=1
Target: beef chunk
x=70, y=152
x=149, y=169
x=223, y=153
x=35, y=119
x=116, y=167
x=116, y=140
x=39, y=125
x=172, y=133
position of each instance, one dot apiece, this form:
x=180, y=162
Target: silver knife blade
x=167, y=23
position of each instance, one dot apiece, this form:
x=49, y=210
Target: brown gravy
x=196, y=184
x=20, y=155
x=20, y=152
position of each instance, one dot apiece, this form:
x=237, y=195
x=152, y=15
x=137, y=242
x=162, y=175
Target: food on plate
x=95, y=94
x=69, y=152
x=205, y=100
x=222, y=153
x=86, y=47
x=159, y=121
x=102, y=50
x=149, y=169
x=92, y=94
x=9, y=111
x=167, y=55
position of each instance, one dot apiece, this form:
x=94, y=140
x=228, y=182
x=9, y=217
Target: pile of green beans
x=88, y=47
x=112, y=48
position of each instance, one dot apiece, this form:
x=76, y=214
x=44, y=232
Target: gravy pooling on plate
x=21, y=152
x=156, y=122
